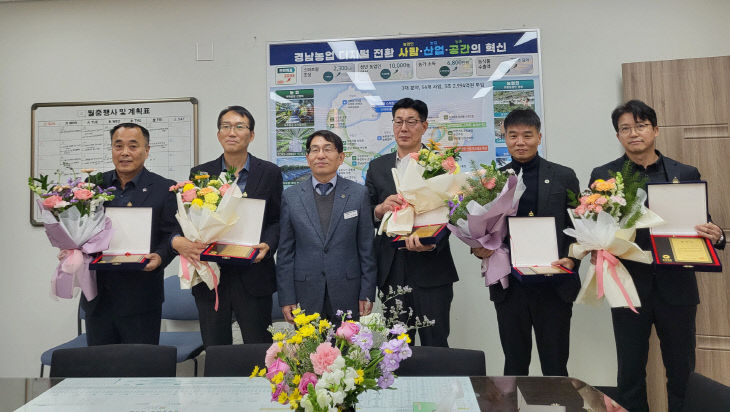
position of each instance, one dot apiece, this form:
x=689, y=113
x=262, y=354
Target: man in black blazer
x=428, y=269
x=669, y=299
x=128, y=307
x=545, y=307
x=243, y=290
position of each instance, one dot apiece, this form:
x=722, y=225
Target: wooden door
x=692, y=100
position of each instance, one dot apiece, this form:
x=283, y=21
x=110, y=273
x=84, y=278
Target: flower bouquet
x=73, y=216
x=206, y=209
x=315, y=368
x=479, y=216
x=605, y=220
x=431, y=178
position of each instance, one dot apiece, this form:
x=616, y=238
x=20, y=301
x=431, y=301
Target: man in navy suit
x=325, y=261
x=428, y=269
x=243, y=290
x=128, y=307
x=669, y=299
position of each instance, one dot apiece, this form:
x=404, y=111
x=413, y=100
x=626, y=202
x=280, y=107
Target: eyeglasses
x=639, y=128
x=327, y=150
x=238, y=127
x=410, y=122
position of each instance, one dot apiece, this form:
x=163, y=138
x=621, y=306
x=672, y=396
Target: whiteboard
x=75, y=135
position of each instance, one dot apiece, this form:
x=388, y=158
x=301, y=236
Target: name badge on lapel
x=350, y=214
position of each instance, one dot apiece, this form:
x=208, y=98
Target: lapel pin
x=547, y=180
x=129, y=204
x=144, y=189
x=531, y=214
x=675, y=180
x=342, y=196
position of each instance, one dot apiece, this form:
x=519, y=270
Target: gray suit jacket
x=342, y=259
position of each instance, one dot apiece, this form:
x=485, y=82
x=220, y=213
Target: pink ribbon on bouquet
x=73, y=270
x=604, y=255
x=493, y=267
x=402, y=206
x=186, y=275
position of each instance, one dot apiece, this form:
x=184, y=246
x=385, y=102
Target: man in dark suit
x=325, y=260
x=243, y=290
x=669, y=299
x=128, y=307
x=428, y=269
x=548, y=306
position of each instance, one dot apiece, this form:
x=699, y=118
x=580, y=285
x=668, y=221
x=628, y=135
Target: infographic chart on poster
x=470, y=82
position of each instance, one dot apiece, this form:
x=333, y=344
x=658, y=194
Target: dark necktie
x=323, y=188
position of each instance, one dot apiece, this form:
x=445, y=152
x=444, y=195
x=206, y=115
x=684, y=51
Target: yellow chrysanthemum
x=283, y=398
x=188, y=187
x=278, y=336
x=295, y=395
x=278, y=378
x=262, y=372
x=212, y=198
x=360, y=377
x=307, y=330
x=296, y=339
x=215, y=183
x=255, y=372
x=197, y=202
x=324, y=325
x=300, y=319
x=296, y=379
x=296, y=311
x=404, y=336
x=210, y=206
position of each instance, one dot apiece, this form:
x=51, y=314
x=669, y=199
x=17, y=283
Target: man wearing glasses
x=428, y=269
x=668, y=298
x=325, y=262
x=243, y=290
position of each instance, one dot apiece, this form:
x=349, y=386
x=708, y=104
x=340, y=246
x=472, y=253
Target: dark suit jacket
x=264, y=182
x=435, y=268
x=341, y=259
x=674, y=287
x=138, y=291
x=553, y=181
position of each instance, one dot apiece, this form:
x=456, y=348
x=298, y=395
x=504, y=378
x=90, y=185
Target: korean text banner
x=470, y=82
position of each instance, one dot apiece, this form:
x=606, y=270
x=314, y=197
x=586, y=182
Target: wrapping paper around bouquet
x=205, y=226
x=73, y=268
x=611, y=278
x=486, y=226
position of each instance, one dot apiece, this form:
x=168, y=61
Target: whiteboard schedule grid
x=68, y=136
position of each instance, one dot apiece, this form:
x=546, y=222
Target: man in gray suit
x=325, y=261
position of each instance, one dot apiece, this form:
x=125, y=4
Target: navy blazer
x=138, y=291
x=675, y=287
x=341, y=259
x=434, y=268
x=264, y=182
x=554, y=181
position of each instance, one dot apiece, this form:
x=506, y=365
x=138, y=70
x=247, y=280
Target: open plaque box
x=533, y=246
x=235, y=247
x=427, y=235
x=675, y=243
x=132, y=229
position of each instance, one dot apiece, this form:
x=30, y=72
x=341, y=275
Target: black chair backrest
x=234, y=360
x=706, y=395
x=107, y=361
x=437, y=361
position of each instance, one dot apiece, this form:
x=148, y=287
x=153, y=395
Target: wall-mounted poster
x=469, y=81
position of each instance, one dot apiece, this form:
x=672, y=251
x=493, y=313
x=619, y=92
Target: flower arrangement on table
x=206, y=210
x=315, y=368
x=478, y=216
x=605, y=219
x=431, y=178
x=73, y=216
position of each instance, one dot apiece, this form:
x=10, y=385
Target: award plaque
x=235, y=246
x=427, y=235
x=132, y=230
x=533, y=246
x=675, y=243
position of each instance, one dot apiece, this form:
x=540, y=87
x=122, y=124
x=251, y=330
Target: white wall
x=109, y=50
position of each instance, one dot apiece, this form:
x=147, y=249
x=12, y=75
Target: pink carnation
x=189, y=195
x=490, y=184
x=307, y=378
x=271, y=354
x=580, y=210
x=50, y=202
x=449, y=164
x=277, y=366
x=323, y=357
x=224, y=189
x=414, y=155
x=601, y=200
x=83, y=194
x=599, y=208
x=347, y=330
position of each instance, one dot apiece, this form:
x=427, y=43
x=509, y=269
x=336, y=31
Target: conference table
x=222, y=394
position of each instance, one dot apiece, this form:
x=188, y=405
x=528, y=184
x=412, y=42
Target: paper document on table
x=157, y=395
x=414, y=392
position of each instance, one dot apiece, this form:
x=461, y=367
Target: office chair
x=706, y=395
x=179, y=304
x=234, y=360
x=78, y=342
x=437, y=361
x=107, y=361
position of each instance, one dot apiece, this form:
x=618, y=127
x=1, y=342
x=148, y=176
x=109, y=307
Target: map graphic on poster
x=469, y=82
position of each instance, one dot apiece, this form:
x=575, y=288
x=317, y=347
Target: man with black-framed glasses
x=428, y=269
x=244, y=290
